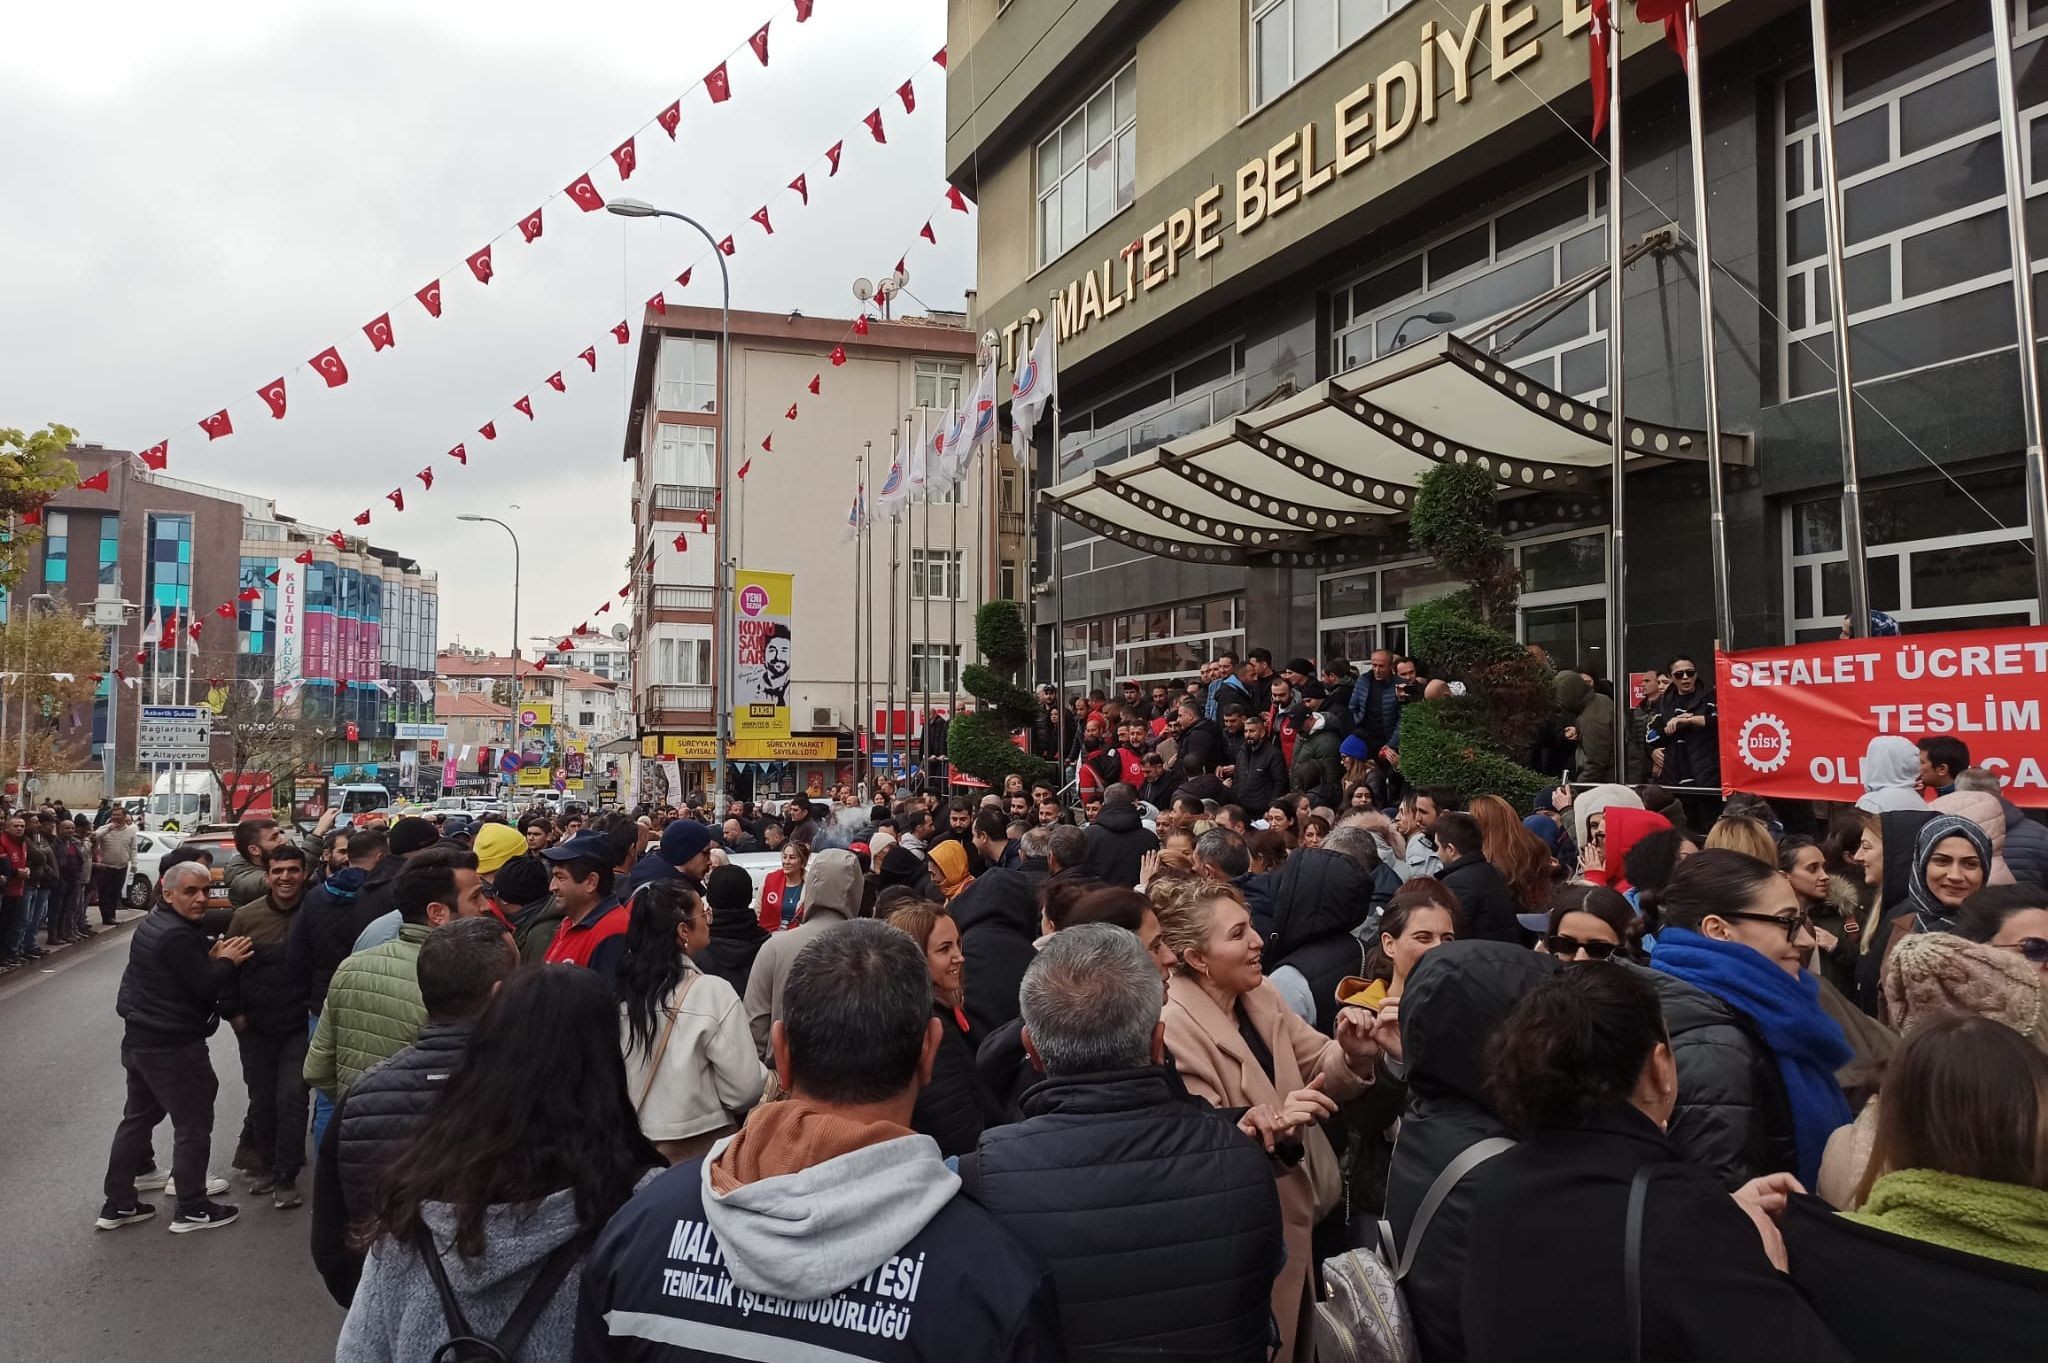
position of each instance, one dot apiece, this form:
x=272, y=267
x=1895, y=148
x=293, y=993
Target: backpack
x=1365, y=1319
x=464, y=1344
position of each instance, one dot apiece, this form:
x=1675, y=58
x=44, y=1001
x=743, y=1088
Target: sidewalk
x=52, y=955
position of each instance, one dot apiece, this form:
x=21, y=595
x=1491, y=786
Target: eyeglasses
x=1680, y=672
x=1793, y=924
x=2035, y=949
x=1565, y=948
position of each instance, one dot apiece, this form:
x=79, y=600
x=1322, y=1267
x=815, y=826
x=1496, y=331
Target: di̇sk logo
x=1765, y=743
x=753, y=600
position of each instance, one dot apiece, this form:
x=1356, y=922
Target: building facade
x=790, y=515
x=1224, y=203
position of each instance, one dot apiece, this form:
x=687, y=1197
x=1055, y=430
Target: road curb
x=57, y=959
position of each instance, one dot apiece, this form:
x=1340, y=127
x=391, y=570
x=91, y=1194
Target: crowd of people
x=1152, y=1064
x=55, y=868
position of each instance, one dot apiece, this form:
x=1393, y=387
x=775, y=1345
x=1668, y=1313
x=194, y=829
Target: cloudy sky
x=206, y=195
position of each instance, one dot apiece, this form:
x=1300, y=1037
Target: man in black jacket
x=168, y=999
x=324, y=931
x=1159, y=1217
x=1259, y=769
x=265, y=1002
x=1118, y=839
x=1481, y=889
x=1199, y=742
x=460, y=967
x=999, y=920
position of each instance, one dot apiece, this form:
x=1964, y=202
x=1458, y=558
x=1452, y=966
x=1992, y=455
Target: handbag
x=661, y=1047
x=464, y=1344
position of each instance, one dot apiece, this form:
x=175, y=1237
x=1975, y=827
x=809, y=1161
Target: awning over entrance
x=1344, y=458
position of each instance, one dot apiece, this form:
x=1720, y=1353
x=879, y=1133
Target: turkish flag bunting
x=426, y=477
x=98, y=482
x=589, y=357
x=540, y=665
x=1672, y=15
x=670, y=119
x=682, y=542
x=489, y=430
x=524, y=404
x=378, y=329
x=563, y=646
x=790, y=415
x=659, y=304
x=927, y=233
x=620, y=333
x=832, y=155
x=718, y=85
x=32, y=516
x=605, y=609
x=703, y=522
x=555, y=382
x=430, y=298
x=396, y=497
x=956, y=198
x=169, y=638
x=759, y=42
x=745, y=469
x=328, y=363
x=803, y=9
x=142, y=658
x=306, y=556
x=460, y=456
x=860, y=325
x=584, y=193
x=192, y=630
x=225, y=610
x=246, y=594
x=907, y=92
x=815, y=379
x=625, y=591
x=760, y=215
x=273, y=576
x=940, y=57
x=272, y=394
x=683, y=279
x=803, y=189
x=363, y=517
x=726, y=246
x=120, y=676
x=838, y=355
x=624, y=159
x=337, y=539
x=874, y=122
x=581, y=629
x=530, y=225
x=899, y=267
x=1599, y=36
x=480, y=266
x=156, y=456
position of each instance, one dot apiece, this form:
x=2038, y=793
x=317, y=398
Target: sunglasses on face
x=2035, y=949
x=1793, y=924
x=1567, y=947
x=1679, y=673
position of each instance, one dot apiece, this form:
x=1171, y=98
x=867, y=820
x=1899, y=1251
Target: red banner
x=1795, y=721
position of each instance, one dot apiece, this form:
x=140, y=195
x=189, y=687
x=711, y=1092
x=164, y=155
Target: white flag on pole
x=957, y=447
x=153, y=628
x=1035, y=387
x=920, y=471
x=895, y=488
x=981, y=412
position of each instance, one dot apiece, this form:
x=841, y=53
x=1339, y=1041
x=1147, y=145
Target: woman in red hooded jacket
x=1601, y=862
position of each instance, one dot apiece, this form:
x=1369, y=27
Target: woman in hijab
x=1988, y=813
x=947, y=861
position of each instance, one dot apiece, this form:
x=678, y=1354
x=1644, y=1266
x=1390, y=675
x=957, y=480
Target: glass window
x=56, y=548
x=935, y=574
x=685, y=455
x=1352, y=594
x=1291, y=38
x=938, y=384
x=935, y=667
x=1416, y=583
x=689, y=375
x=1087, y=171
x=1556, y=564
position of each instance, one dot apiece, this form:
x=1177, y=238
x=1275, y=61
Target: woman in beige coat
x=1238, y=1045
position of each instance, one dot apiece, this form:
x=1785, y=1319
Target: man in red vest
x=593, y=931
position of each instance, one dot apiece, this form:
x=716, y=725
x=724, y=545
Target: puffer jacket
x=1117, y=843
x=266, y=990
x=373, y=1012
x=1592, y=714
x=1097, y=1181
x=2026, y=846
x=1317, y=899
x=1324, y=748
x=324, y=931
x=953, y=1108
x=386, y=1103
x=998, y=918
x=1456, y=996
x=245, y=880
x=1732, y=1118
x=1258, y=776
x=1489, y=906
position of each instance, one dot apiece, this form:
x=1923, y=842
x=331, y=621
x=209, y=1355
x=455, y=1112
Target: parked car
x=757, y=865
x=149, y=854
x=219, y=842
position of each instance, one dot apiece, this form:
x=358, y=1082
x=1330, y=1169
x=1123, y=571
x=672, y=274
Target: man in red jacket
x=593, y=931
x=16, y=941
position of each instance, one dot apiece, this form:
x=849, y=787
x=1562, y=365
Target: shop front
x=677, y=766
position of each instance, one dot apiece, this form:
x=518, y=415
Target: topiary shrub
x=978, y=742
x=1456, y=523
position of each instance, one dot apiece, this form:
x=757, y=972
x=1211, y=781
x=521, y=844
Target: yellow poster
x=536, y=714
x=703, y=748
x=536, y=776
x=761, y=665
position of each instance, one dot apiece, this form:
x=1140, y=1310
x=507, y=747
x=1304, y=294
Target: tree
x=48, y=662
x=258, y=745
x=978, y=742
x=32, y=469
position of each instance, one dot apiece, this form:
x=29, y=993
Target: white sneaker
x=215, y=1186
x=151, y=1181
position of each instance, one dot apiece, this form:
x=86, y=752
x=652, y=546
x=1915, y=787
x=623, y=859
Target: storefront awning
x=1344, y=457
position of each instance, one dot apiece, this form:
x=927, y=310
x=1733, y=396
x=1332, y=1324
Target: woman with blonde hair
x=1738, y=833
x=952, y=1107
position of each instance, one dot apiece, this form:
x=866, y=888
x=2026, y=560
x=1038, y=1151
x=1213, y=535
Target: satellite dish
x=901, y=274
x=890, y=286
x=863, y=288
x=620, y=632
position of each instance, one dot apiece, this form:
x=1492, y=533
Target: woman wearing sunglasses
x=1756, y=1054
x=2011, y=918
x=1590, y=923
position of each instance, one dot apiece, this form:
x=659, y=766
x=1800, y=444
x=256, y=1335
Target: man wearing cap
x=684, y=853
x=593, y=931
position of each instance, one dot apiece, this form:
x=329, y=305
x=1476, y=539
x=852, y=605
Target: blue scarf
x=1807, y=1044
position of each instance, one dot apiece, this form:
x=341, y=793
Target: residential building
x=560, y=716
x=790, y=514
x=600, y=655
x=1247, y=205
x=479, y=729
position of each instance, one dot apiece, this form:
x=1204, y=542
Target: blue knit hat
x=1354, y=746
x=682, y=840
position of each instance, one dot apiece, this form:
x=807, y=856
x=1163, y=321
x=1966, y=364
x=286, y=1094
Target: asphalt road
x=245, y=1291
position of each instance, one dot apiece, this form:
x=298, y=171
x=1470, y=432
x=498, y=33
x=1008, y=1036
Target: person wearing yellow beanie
x=496, y=844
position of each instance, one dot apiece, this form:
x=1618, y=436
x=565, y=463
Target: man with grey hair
x=1159, y=1217
x=998, y=918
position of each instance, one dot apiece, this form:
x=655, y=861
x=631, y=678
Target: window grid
x=1086, y=171
x=935, y=574
x=938, y=384
x=1292, y=38
x=689, y=375
x=934, y=668
x=168, y=583
x=110, y=551
x=56, y=548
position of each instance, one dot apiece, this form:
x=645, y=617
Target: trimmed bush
x=978, y=743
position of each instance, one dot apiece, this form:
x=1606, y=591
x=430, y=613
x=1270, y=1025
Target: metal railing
x=682, y=598
x=684, y=497
x=678, y=698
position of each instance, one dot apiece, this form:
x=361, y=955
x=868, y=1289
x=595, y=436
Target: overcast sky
x=203, y=196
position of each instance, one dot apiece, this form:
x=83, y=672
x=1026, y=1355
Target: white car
x=757, y=865
x=149, y=854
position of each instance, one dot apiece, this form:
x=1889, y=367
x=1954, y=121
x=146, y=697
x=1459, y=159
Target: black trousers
x=273, y=1067
x=175, y=1082
x=108, y=882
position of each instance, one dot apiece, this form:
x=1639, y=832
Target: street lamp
x=493, y=520
x=1435, y=319
x=722, y=694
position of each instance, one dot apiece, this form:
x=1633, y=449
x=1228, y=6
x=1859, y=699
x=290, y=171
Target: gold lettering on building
x=1313, y=177
x=1509, y=18
x=1392, y=128
x=1460, y=50
x=1207, y=221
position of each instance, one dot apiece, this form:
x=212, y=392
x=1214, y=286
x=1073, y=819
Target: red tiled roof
x=467, y=705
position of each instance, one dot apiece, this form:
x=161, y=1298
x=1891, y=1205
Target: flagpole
x=1717, y=515
x=2023, y=300
x=1059, y=577
x=955, y=580
x=924, y=745
x=860, y=485
x=1617, y=570
x=895, y=559
x=910, y=495
x=1838, y=304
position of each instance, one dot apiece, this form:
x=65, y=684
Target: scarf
x=2002, y=1221
x=1929, y=913
x=785, y=1137
x=1807, y=1044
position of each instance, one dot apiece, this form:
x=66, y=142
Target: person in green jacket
x=1961, y=1158
x=1589, y=726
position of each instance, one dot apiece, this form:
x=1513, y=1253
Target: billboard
x=290, y=671
x=761, y=663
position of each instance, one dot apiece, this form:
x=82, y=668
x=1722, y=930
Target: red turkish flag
x=718, y=85
x=659, y=304
x=460, y=456
x=329, y=366
x=363, y=517
x=169, y=638
x=426, y=477
x=624, y=158
x=927, y=233
x=524, y=404
x=225, y=610
x=683, y=279
x=625, y=591
x=790, y=415
x=430, y=298
x=563, y=646
x=396, y=497
x=530, y=225
x=142, y=658
x=899, y=268
x=272, y=577
x=378, y=329
x=703, y=522
x=337, y=539
x=120, y=676
x=670, y=119
x=489, y=430
x=907, y=92
x=760, y=215
x=480, y=266
x=860, y=325
x=272, y=394
x=584, y=193
x=759, y=42
x=156, y=456
x=540, y=665
x=589, y=357
x=815, y=380
x=874, y=122
x=1599, y=35
x=726, y=246
x=99, y=482
x=745, y=469
x=803, y=189
x=605, y=609
x=304, y=557
x=620, y=333
x=682, y=543
x=246, y=594
x=581, y=629
x=838, y=356
x=555, y=382
x=832, y=155
x=956, y=198
x=940, y=57
x=1672, y=14
x=803, y=9
x=32, y=516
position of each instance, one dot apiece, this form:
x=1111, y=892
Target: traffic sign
x=173, y=733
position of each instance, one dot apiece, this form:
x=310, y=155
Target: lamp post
x=721, y=719
x=1435, y=319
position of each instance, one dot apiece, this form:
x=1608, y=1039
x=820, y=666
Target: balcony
x=1010, y=523
x=684, y=497
x=682, y=598
x=668, y=698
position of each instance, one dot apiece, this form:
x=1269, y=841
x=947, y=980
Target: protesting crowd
x=1233, y=1046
